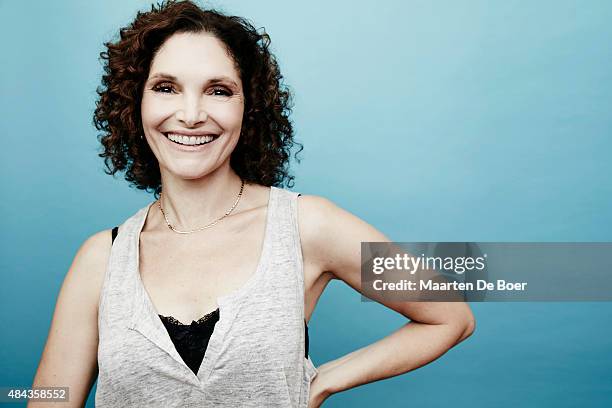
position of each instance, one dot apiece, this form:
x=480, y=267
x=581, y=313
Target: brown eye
x=221, y=92
x=163, y=87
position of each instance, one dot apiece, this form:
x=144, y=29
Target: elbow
x=468, y=327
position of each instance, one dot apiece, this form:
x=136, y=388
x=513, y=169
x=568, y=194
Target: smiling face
x=192, y=106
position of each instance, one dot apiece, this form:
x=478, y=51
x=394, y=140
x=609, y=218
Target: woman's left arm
x=331, y=240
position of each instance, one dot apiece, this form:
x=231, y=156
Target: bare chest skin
x=185, y=274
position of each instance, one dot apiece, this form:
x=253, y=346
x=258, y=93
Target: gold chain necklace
x=207, y=225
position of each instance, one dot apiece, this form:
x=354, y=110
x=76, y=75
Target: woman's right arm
x=69, y=358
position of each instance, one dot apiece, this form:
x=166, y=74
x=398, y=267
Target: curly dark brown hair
x=264, y=148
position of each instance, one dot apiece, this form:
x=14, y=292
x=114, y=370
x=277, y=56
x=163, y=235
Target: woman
x=193, y=110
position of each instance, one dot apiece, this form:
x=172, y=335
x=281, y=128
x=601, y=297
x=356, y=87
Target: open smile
x=190, y=140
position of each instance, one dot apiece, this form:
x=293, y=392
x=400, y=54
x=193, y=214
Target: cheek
x=232, y=119
x=153, y=111
x=227, y=116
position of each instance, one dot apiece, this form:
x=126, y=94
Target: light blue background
x=431, y=120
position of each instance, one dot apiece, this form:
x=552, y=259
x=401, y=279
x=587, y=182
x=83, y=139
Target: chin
x=193, y=175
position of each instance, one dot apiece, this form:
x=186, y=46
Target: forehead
x=194, y=55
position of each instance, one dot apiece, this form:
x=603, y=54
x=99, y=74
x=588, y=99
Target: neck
x=190, y=204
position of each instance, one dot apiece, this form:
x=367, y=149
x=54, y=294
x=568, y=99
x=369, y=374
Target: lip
x=190, y=133
x=189, y=148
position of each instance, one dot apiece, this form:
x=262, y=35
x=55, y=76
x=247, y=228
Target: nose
x=191, y=113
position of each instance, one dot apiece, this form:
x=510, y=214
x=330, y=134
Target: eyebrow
x=215, y=80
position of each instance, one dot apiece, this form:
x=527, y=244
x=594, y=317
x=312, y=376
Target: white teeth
x=189, y=140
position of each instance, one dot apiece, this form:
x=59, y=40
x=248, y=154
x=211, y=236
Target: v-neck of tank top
x=225, y=303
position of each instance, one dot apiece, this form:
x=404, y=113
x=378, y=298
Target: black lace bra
x=191, y=340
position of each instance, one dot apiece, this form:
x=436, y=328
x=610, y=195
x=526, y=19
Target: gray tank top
x=255, y=356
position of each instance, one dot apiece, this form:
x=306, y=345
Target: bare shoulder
x=70, y=354
x=321, y=217
x=89, y=265
x=314, y=209
x=97, y=246
x=95, y=250
x=314, y=212
x=331, y=236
